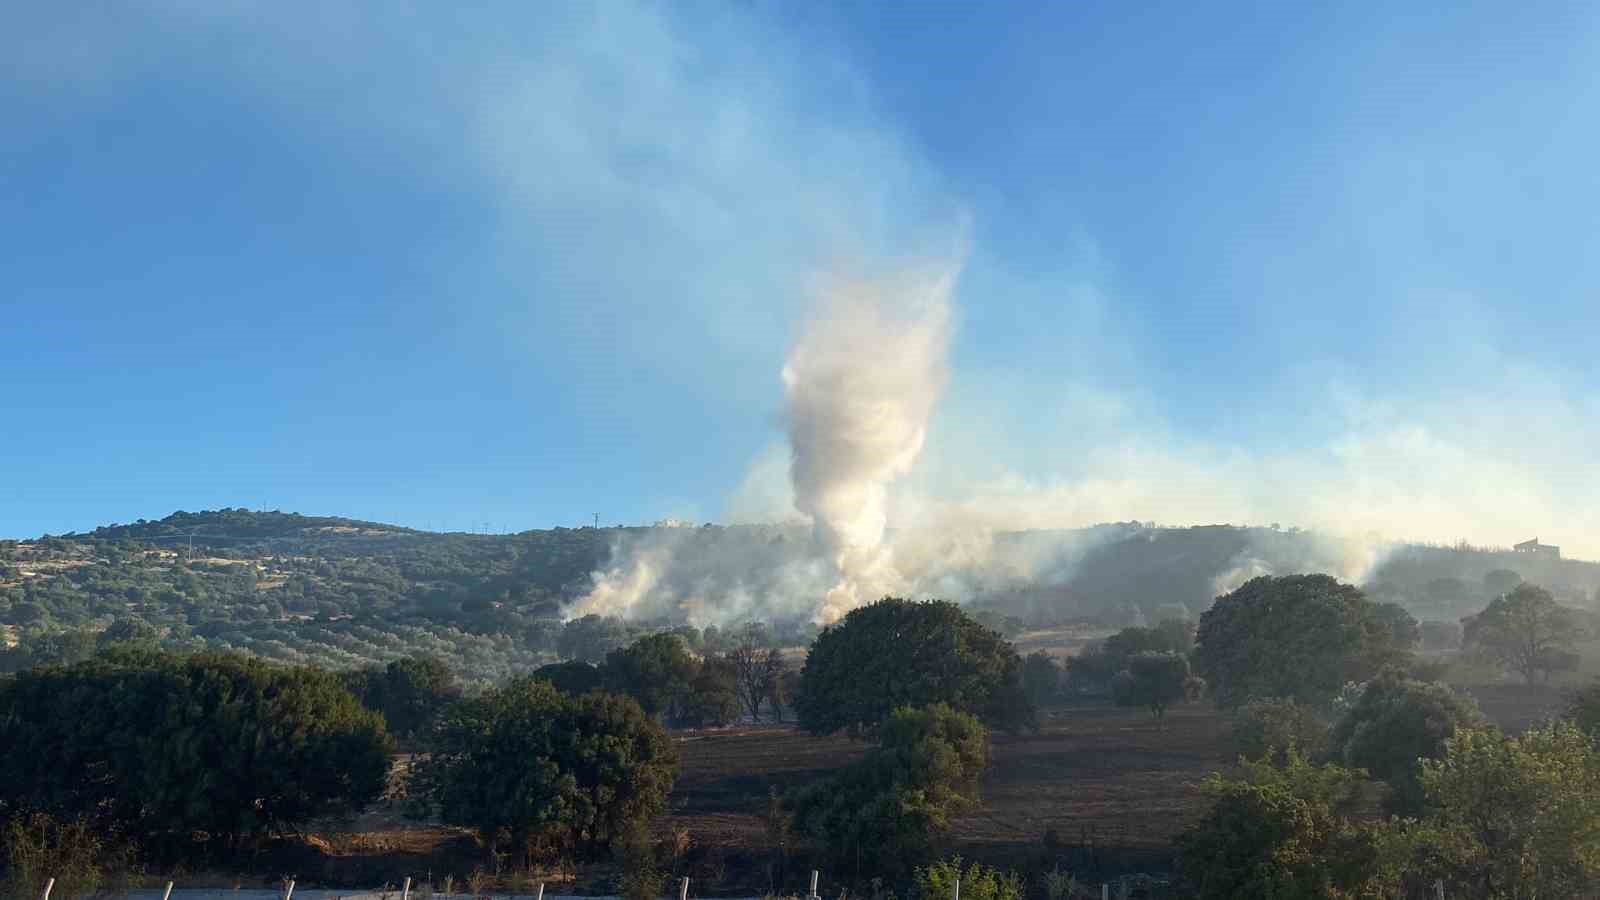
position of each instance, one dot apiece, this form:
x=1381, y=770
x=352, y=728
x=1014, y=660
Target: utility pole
x=596, y=521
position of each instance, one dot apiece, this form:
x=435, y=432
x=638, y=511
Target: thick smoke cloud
x=860, y=387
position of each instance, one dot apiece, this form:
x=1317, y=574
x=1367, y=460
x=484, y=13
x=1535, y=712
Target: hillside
x=342, y=592
x=337, y=592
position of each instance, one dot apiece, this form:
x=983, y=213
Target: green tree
x=1041, y=677
x=1094, y=669
x=1296, y=636
x=713, y=697
x=409, y=692
x=572, y=677
x=591, y=637
x=1404, y=632
x=896, y=653
x=1281, y=831
x=226, y=745
x=1396, y=723
x=130, y=631
x=1524, y=631
x=886, y=809
x=655, y=670
x=530, y=767
x=1516, y=817
x=1153, y=680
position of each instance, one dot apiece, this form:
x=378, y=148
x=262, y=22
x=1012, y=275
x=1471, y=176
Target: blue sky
x=1332, y=266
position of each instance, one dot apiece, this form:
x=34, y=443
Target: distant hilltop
x=342, y=592
x=1112, y=566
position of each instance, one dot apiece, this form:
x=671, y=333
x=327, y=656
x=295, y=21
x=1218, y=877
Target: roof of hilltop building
x=1534, y=546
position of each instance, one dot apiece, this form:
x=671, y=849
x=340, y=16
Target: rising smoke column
x=859, y=387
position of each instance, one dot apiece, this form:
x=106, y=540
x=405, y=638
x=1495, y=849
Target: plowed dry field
x=1113, y=784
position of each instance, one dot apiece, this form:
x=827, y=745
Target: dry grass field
x=1111, y=785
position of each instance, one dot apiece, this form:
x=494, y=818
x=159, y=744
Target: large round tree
x=526, y=765
x=896, y=653
x=1396, y=723
x=1296, y=636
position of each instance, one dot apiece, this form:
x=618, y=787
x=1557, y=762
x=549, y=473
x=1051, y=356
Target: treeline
x=1364, y=776
x=190, y=758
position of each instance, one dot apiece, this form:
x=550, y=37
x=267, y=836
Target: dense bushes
x=1396, y=723
x=531, y=768
x=223, y=745
x=978, y=882
x=1273, y=726
x=410, y=693
x=657, y=671
x=1093, y=670
x=1503, y=817
x=83, y=861
x=1279, y=832
x=880, y=815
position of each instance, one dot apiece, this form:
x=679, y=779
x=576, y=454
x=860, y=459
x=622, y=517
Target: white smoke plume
x=860, y=386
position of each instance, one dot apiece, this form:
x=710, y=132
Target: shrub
x=232, y=746
x=1263, y=727
x=978, y=882
x=886, y=808
x=1396, y=722
x=80, y=859
x=1281, y=831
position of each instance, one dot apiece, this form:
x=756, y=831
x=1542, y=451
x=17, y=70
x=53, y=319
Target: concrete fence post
x=50, y=883
x=405, y=889
x=813, y=894
x=1105, y=890
x=540, y=894
x=956, y=894
x=1438, y=889
x=288, y=889
x=683, y=888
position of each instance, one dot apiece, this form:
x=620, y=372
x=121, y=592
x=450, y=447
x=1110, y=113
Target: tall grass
x=83, y=862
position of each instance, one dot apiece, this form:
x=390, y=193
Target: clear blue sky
x=534, y=261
